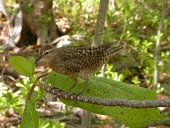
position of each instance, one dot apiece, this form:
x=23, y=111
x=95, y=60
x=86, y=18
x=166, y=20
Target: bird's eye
x=45, y=53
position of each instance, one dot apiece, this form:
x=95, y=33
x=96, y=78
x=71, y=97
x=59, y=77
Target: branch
x=3, y=9
x=157, y=46
x=100, y=22
x=15, y=30
x=107, y=102
x=34, y=85
x=86, y=119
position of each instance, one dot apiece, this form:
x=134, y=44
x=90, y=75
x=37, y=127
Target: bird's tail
x=112, y=50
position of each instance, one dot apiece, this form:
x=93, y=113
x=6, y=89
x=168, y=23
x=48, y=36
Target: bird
x=77, y=61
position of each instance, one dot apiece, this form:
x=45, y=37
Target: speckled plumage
x=77, y=61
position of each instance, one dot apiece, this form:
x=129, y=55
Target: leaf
x=108, y=89
x=32, y=61
x=22, y=65
x=30, y=117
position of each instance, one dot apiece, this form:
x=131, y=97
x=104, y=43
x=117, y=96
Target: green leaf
x=108, y=89
x=30, y=117
x=32, y=64
x=22, y=65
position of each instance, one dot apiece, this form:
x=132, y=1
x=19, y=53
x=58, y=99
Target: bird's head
x=44, y=53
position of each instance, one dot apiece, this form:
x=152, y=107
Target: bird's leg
x=82, y=88
x=74, y=84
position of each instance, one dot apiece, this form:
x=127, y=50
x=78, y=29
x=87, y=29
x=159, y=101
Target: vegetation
x=134, y=23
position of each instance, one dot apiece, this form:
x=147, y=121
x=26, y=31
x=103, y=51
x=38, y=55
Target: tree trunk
x=38, y=22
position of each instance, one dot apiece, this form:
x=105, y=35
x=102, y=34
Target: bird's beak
x=37, y=59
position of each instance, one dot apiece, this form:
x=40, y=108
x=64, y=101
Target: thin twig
x=34, y=85
x=157, y=46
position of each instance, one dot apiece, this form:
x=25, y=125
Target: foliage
x=9, y=99
x=49, y=123
x=10, y=10
x=133, y=22
x=110, y=74
x=81, y=15
x=94, y=88
x=26, y=68
x=109, y=89
x=30, y=116
x=23, y=66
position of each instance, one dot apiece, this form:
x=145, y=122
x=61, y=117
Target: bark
x=14, y=30
x=86, y=119
x=157, y=46
x=38, y=22
x=3, y=9
x=100, y=22
x=106, y=102
x=86, y=116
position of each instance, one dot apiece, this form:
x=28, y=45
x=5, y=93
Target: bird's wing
x=85, y=52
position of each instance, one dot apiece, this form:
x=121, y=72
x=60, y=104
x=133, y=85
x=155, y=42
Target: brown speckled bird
x=77, y=61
